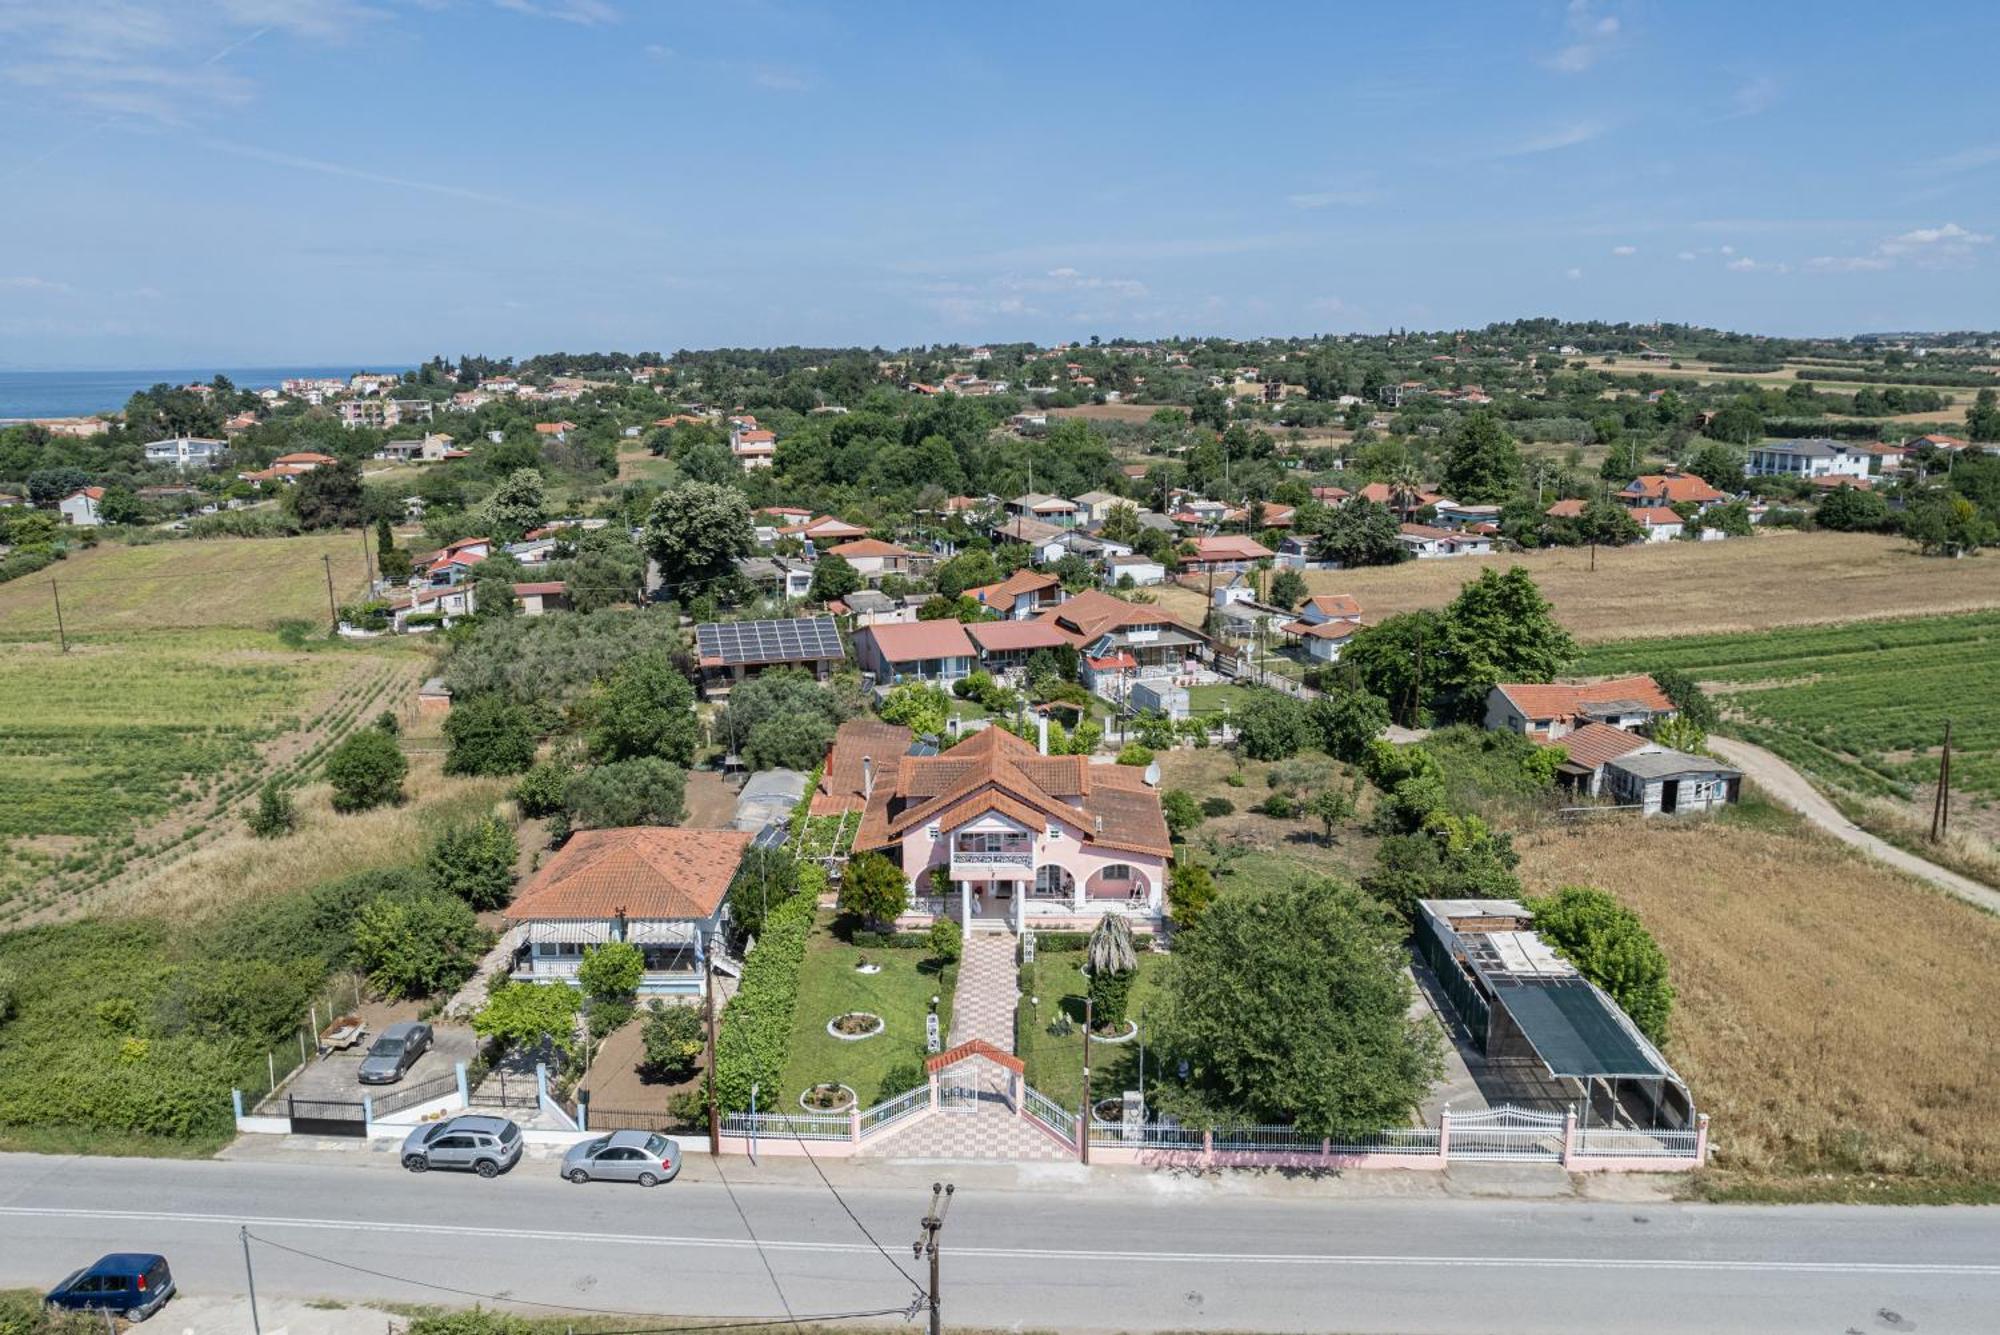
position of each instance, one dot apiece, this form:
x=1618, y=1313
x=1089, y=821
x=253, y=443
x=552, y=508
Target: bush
x=872, y=888
x=1213, y=807
x=611, y=972
x=922, y=709
x=674, y=1038
x=274, y=816
x=1190, y=890
x=757, y=1023
x=764, y=879
x=646, y=791
x=540, y=791
x=946, y=941
x=901, y=1078
x=476, y=1322
x=1279, y=806
x=1182, y=812
x=475, y=862
x=1136, y=754
x=644, y=708
x=488, y=734
x=417, y=946
x=1272, y=726
x=1611, y=947
x=1110, y=989
x=607, y=1017
x=366, y=771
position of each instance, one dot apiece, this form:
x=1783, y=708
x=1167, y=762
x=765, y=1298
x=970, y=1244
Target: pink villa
x=998, y=835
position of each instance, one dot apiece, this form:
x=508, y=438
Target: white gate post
x=1569, y=1136
x=1701, y=1140
x=1444, y=1134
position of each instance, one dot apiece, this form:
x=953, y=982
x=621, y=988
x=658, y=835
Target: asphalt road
x=1141, y=1254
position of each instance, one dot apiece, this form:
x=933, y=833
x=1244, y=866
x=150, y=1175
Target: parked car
x=395, y=1052
x=133, y=1284
x=645, y=1157
x=488, y=1146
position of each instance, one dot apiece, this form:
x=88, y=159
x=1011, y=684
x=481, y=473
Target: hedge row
x=757, y=1023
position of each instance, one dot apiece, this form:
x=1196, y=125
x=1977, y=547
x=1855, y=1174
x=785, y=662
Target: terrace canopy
x=1577, y=1032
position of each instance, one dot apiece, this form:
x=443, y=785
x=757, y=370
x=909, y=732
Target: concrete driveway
x=337, y=1077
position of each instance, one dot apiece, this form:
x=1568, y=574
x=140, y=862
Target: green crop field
x=1860, y=705
x=161, y=730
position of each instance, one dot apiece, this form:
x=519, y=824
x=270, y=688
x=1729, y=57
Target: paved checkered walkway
x=982, y=1006
x=988, y=1132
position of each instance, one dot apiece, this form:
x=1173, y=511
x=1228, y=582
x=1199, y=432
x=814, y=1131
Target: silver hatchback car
x=489, y=1146
x=645, y=1157
x=395, y=1052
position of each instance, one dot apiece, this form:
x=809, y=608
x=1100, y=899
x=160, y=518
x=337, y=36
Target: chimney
x=867, y=777
x=1042, y=734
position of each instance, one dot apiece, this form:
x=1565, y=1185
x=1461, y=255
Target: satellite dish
x=1153, y=774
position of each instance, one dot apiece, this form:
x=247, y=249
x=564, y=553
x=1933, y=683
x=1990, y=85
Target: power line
x=842, y=1201
x=770, y=1271
x=573, y=1307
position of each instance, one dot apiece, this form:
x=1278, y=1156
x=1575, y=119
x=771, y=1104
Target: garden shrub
x=366, y=771
x=417, y=946
x=1217, y=806
x=757, y=1023
x=488, y=734
x=674, y=1037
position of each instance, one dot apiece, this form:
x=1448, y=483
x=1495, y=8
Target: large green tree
x=417, y=945
x=695, y=533
x=1612, y=948
x=1361, y=533
x=645, y=791
x=1291, y=1004
x=516, y=506
x=645, y=708
x=475, y=862
x=488, y=734
x=1481, y=464
x=1500, y=628
x=366, y=770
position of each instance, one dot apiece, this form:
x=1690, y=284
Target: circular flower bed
x=1109, y=1110
x=1125, y=1035
x=864, y=966
x=827, y=1096
x=855, y=1026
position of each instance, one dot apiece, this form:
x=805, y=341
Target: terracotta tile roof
x=908, y=641
x=1670, y=488
x=1330, y=493
x=868, y=547
x=1649, y=515
x=648, y=871
x=540, y=587
x=1321, y=630
x=1229, y=547
x=977, y=1047
x=840, y=781
x=1563, y=699
x=1007, y=590
x=1118, y=662
x=1000, y=637
x=305, y=457
x=1383, y=494
x=1594, y=743
x=1565, y=509
x=1094, y=612
x=1335, y=604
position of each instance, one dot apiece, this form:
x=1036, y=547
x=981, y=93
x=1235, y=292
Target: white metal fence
x=890, y=1111
x=1619, y=1143
x=790, y=1126
x=1048, y=1112
x=1507, y=1133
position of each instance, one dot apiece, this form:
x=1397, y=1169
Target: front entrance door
x=1670, y=795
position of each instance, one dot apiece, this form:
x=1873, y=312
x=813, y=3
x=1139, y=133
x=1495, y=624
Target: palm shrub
x=1113, y=960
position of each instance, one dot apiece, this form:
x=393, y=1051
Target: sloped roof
x=908, y=641
x=1668, y=488
x=645, y=871
x=841, y=780
x=1538, y=700
x=1094, y=612
x=1594, y=743
x=1335, y=604
x=1007, y=590
x=868, y=547
x=999, y=637
x=1571, y=508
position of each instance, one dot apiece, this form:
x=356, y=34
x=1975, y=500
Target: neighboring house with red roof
x=1381, y=493
x=1123, y=642
x=1325, y=623
x=1006, y=645
x=453, y=564
x=661, y=888
x=79, y=508
x=824, y=531
x=998, y=835
x=1548, y=711
x=1227, y=551
x=1587, y=749
x=1572, y=508
x=1025, y=593
x=872, y=556
x=935, y=652
x=752, y=446
x=1424, y=541
x=1660, y=523
x=1670, y=489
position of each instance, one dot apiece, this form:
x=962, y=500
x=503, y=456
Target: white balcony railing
x=967, y=857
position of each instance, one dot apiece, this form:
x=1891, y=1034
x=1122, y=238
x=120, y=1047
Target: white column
x=1076, y=894
x=1021, y=905
x=965, y=905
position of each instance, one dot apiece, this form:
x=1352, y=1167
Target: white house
x=1807, y=458
x=80, y=507
x=1423, y=542
x=1144, y=570
x=1669, y=783
x=185, y=451
x=1660, y=523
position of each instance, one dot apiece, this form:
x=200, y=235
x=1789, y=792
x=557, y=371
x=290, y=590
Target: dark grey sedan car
x=395, y=1052
x=645, y=1157
x=487, y=1145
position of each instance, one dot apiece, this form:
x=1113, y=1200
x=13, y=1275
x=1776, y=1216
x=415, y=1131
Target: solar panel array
x=749, y=642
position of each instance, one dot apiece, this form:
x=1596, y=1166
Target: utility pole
x=332, y=608
x=62, y=636
x=933, y=1225
x=1083, y=1122
x=714, y=1112
x=1417, y=685
x=1941, y=799
x=367, y=558
x=256, y=1326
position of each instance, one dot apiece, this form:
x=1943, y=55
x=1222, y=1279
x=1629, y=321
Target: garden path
x=983, y=1003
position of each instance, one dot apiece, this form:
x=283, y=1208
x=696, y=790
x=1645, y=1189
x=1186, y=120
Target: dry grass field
x=1685, y=588
x=1833, y=1017
x=179, y=585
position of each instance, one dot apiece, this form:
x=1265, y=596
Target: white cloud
x=1754, y=97
x=34, y=283
x=1685, y=255
x=1624, y=250
x=1572, y=273
x=778, y=80
x=1966, y=159
x=1591, y=35
x=585, y=13
x=1566, y=136
x=1744, y=264
x=1325, y=199
x=1728, y=250
x=1940, y=247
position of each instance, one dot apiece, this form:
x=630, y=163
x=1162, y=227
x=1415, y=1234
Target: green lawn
x=1211, y=699
x=829, y=986
x=1055, y=1062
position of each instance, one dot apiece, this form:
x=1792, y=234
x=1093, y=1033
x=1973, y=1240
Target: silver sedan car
x=645, y=1157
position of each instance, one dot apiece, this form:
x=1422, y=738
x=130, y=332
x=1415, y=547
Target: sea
x=81, y=393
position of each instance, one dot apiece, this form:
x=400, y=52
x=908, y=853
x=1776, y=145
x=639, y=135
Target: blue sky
x=269, y=181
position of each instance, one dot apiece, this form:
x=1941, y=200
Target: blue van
x=133, y=1284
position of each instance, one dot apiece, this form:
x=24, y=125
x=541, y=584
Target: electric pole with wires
x=927, y=1245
